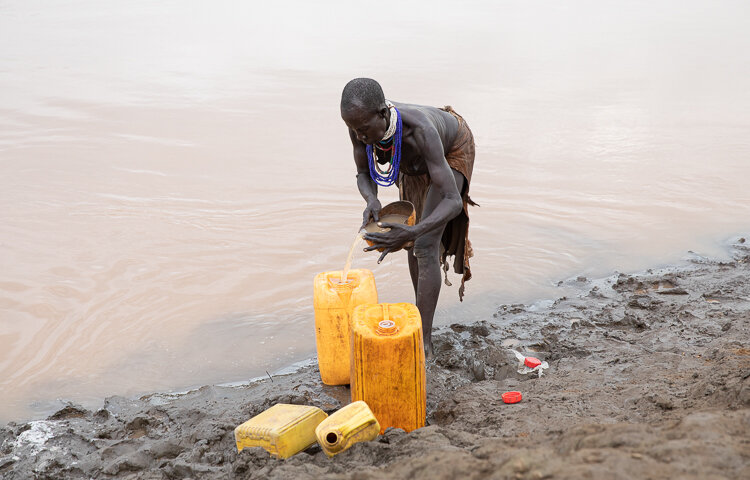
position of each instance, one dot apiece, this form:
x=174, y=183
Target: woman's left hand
x=392, y=240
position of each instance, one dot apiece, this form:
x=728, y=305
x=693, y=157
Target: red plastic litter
x=512, y=397
x=532, y=362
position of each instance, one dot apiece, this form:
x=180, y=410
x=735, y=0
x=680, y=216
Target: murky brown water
x=174, y=176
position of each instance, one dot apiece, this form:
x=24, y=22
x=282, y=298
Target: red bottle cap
x=532, y=362
x=511, y=397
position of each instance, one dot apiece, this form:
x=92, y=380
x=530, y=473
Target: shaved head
x=362, y=93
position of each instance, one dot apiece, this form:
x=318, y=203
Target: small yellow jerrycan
x=352, y=424
x=388, y=363
x=334, y=302
x=282, y=430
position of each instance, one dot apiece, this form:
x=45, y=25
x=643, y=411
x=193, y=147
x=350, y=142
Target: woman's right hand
x=372, y=211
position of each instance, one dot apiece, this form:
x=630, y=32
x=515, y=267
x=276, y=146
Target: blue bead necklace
x=387, y=177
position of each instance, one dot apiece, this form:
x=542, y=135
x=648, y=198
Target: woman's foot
x=429, y=351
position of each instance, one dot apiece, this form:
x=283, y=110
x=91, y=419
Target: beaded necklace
x=388, y=176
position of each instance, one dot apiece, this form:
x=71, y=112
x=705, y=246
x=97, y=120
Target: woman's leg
x=426, y=253
x=413, y=269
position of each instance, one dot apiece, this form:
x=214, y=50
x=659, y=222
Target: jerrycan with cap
x=334, y=301
x=352, y=424
x=388, y=365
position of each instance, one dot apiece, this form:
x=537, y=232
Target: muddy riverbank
x=649, y=378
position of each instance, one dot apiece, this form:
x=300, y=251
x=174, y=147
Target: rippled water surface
x=174, y=174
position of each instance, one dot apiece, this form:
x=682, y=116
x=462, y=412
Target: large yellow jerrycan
x=352, y=424
x=388, y=363
x=334, y=302
x=282, y=430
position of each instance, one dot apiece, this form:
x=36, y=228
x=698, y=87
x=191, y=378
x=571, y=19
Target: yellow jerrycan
x=388, y=363
x=352, y=424
x=282, y=430
x=334, y=302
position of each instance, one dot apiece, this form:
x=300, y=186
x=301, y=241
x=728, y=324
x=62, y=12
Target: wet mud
x=649, y=377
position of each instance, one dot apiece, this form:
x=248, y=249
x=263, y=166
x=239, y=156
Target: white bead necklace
x=392, y=124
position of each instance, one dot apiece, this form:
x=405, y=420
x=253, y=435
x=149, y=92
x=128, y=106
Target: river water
x=174, y=174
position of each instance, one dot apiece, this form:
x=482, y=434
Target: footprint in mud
x=666, y=285
x=644, y=302
x=511, y=309
x=510, y=343
x=718, y=296
x=634, y=322
x=481, y=329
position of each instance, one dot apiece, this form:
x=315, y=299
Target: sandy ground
x=649, y=378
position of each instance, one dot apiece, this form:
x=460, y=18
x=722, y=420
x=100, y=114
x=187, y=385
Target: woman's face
x=368, y=126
